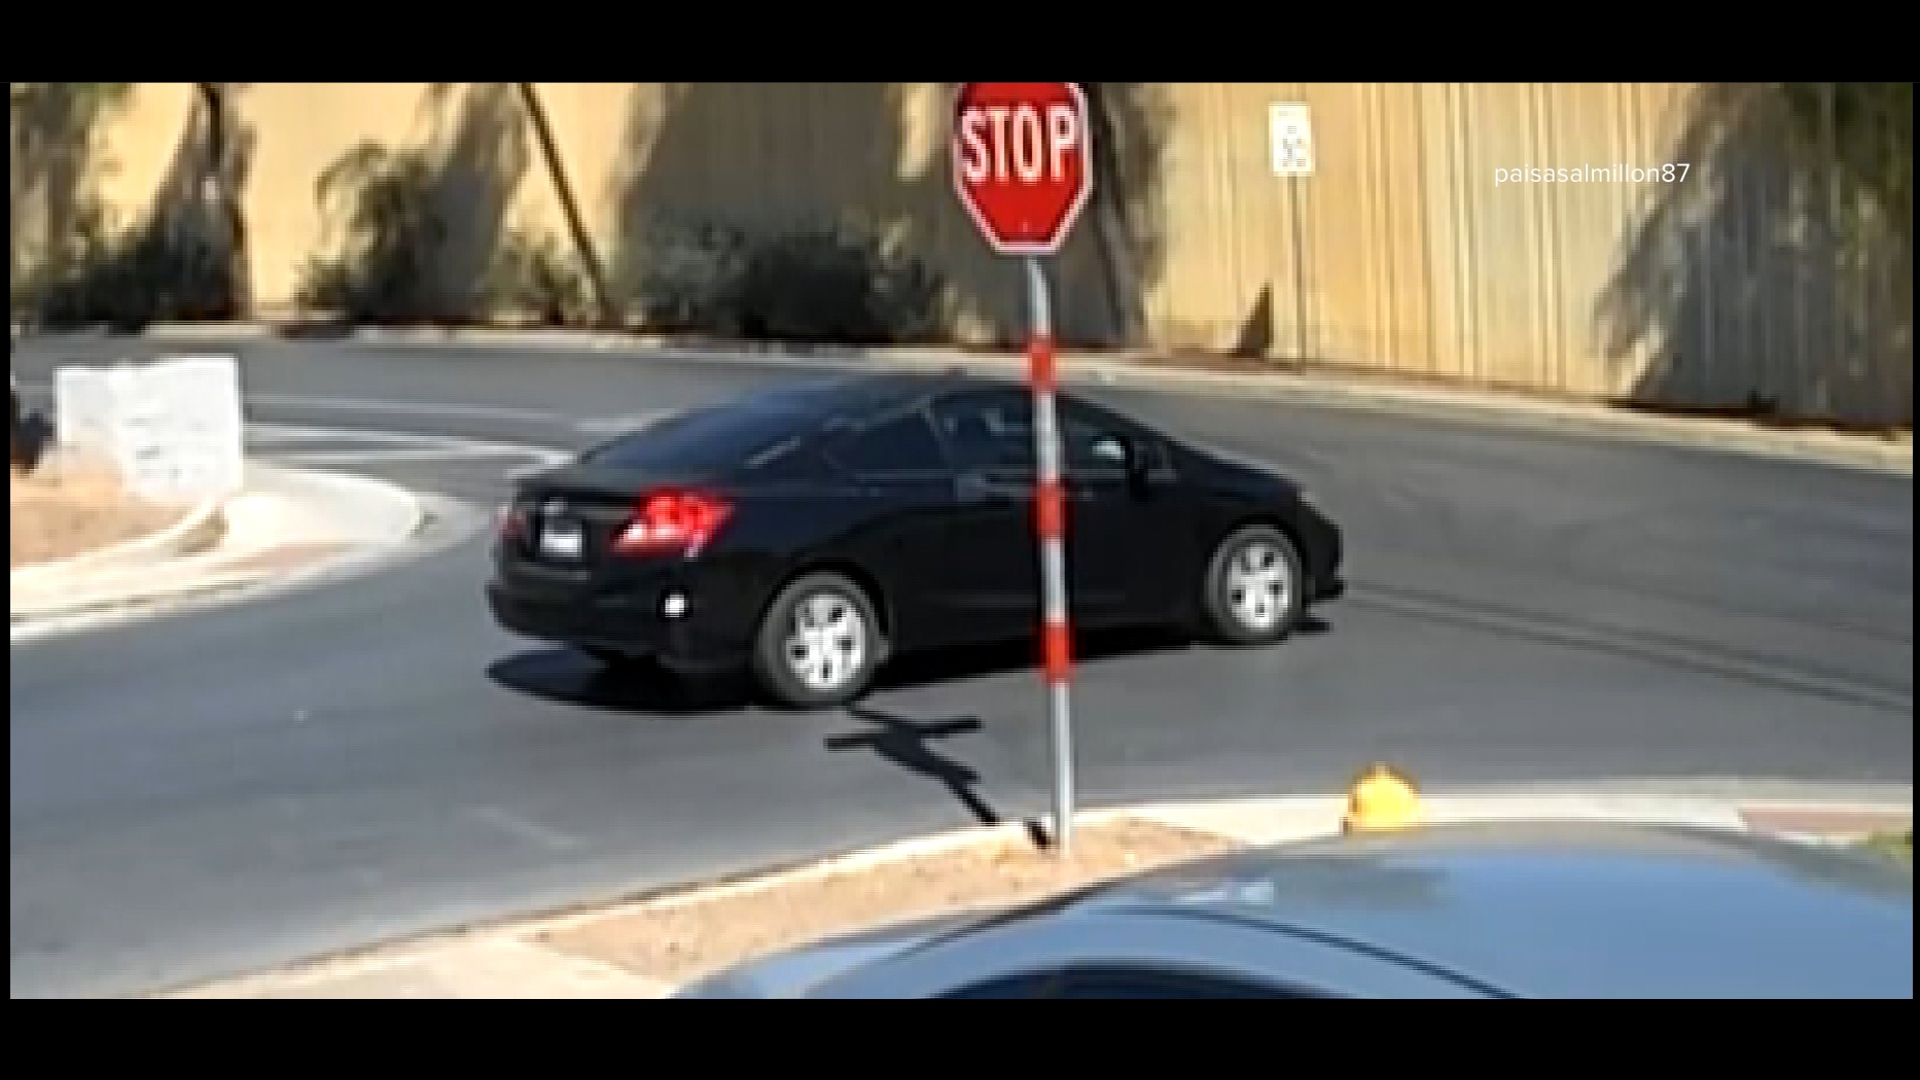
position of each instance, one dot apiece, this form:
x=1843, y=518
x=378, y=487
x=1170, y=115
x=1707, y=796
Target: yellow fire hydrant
x=1381, y=799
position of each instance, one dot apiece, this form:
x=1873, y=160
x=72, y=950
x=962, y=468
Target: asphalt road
x=200, y=795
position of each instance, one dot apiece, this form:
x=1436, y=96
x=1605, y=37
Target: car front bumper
x=1325, y=553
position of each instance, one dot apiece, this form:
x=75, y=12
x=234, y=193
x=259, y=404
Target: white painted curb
x=1123, y=368
x=487, y=967
x=1457, y=406
x=378, y=516
x=375, y=512
x=1260, y=821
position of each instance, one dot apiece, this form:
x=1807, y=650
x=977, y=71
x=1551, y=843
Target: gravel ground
x=63, y=509
x=675, y=943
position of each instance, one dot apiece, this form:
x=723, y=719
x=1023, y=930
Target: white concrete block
x=83, y=409
x=173, y=428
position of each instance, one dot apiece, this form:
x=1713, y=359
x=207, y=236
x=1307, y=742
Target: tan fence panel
x=1748, y=281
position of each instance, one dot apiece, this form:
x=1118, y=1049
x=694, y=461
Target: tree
x=220, y=186
x=582, y=242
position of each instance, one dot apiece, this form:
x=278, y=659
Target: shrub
x=541, y=281
x=391, y=263
x=677, y=277
x=834, y=287
x=825, y=285
x=390, y=243
x=165, y=270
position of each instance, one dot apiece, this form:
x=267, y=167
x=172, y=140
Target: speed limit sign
x=1291, y=131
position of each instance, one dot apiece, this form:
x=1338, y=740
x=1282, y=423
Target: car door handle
x=974, y=488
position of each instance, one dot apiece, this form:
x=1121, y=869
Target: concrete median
x=197, y=530
x=283, y=522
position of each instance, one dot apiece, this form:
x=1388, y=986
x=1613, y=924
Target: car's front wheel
x=1255, y=588
x=819, y=644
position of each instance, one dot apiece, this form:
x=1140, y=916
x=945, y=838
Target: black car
x=811, y=532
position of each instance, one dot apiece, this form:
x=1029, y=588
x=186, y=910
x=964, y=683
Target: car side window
x=988, y=430
x=994, y=430
x=1093, y=445
x=905, y=444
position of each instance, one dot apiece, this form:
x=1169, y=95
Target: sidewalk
x=1237, y=379
x=543, y=957
x=283, y=522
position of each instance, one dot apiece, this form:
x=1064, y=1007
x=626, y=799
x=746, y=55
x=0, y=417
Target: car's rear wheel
x=819, y=644
x=1255, y=588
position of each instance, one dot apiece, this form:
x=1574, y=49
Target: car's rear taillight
x=512, y=524
x=678, y=522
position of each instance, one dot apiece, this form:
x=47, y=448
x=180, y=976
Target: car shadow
x=568, y=677
x=1090, y=649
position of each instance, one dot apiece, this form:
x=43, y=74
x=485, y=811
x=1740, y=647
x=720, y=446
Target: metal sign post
x=1290, y=128
x=1023, y=167
x=1050, y=521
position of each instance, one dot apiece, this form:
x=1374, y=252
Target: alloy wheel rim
x=827, y=644
x=1259, y=586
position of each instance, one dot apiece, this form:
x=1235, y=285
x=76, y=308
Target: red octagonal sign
x=1022, y=162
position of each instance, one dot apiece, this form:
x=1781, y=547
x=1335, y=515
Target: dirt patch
x=677, y=942
x=67, y=508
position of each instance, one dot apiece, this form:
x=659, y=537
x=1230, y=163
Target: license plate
x=561, y=540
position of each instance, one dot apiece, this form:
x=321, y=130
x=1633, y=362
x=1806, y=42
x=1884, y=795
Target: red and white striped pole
x=1050, y=522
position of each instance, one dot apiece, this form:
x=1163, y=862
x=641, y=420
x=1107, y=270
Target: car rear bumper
x=633, y=619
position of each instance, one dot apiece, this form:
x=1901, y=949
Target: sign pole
x=1291, y=133
x=1023, y=169
x=1051, y=520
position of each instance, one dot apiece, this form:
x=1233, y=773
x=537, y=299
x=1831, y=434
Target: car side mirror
x=1136, y=458
x=1116, y=450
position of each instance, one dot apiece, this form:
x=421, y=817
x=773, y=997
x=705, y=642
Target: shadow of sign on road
x=908, y=744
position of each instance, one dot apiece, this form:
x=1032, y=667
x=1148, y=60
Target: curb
x=1282, y=819
x=1127, y=368
x=455, y=963
x=1455, y=406
x=383, y=513
x=199, y=528
x=383, y=516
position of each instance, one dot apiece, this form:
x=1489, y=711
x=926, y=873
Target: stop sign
x=1022, y=162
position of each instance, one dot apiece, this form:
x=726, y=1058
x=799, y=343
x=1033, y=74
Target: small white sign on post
x=83, y=409
x=183, y=438
x=1290, y=130
x=172, y=429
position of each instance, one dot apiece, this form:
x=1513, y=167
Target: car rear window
x=704, y=439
